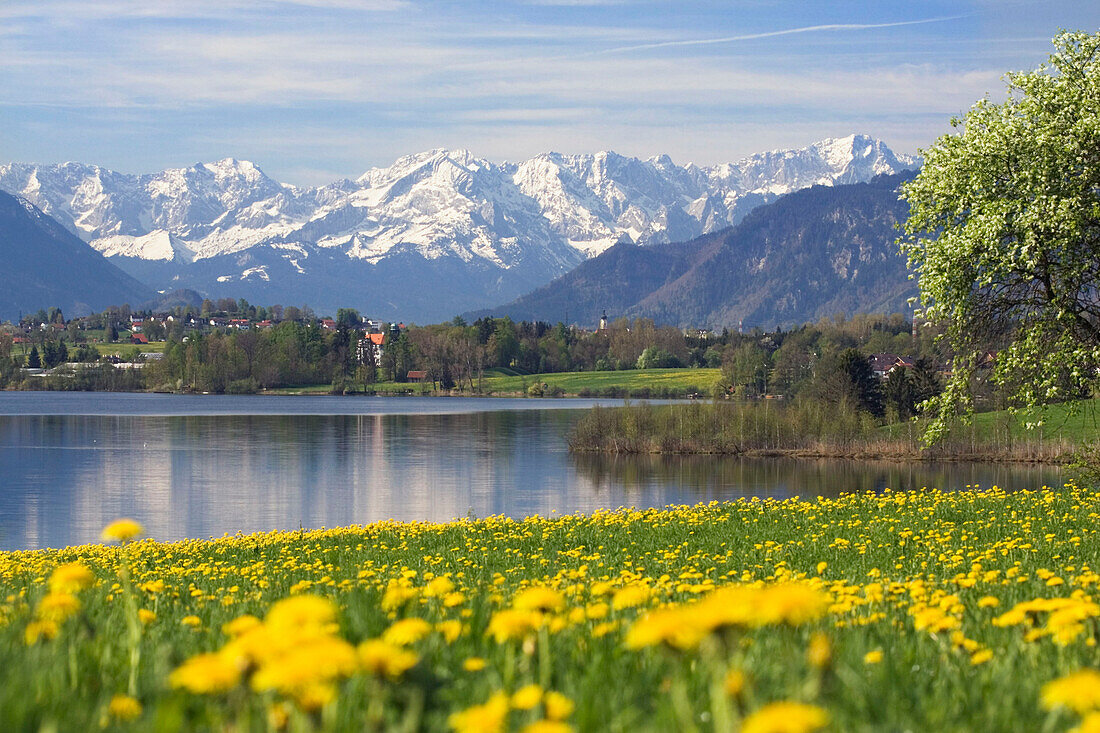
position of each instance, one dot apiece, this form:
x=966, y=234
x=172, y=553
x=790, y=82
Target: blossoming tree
x=1004, y=234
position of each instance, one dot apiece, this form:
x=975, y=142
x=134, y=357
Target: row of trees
x=458, y=354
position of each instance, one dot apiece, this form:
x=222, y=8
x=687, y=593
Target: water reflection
x=727, y=476
x=62, y=477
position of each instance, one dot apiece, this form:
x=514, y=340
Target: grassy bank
x=635, y=383
x=820, y=430
x=153, y=347
x=630, y=383
x=926, y=611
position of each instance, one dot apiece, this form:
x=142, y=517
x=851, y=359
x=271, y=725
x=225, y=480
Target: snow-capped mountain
x=435, y=233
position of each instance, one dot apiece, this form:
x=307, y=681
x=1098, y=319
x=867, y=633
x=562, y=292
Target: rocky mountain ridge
x=435, y=233
x=811, y=254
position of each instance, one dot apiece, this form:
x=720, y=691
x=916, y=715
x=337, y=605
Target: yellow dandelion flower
x=385, y=659
x=240, y=625
x=309, y=663
x=314, y=695
x=206, y=673
x=192, y=620
x=513, y=624
x=39, y=630
x=527, y=697
x=1079, y=691
x=538, y=598
x=671, y=626
x=786, y=717
x=820, y=651
x=1089, y=724
x=474, y=664
x=121, y=530
x=630, y=596
x=146, y=616
x=557, y=705
x=489, y=717
x=981, y=656
x=451, y=630
x=873, y=657
x=70, y=578
x=153, y=587
x=124, y=707
x=299, y=611
x=989, y=602
x=407, y=631
x=596, y=611
x=734, y=682
x=57, y=606
x=439, y=587
x=397, y=595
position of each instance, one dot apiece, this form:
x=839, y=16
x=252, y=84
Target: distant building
x=139, y=338
x=603, y=321
x=416, y=376
x=371, y=347
x=883, y=364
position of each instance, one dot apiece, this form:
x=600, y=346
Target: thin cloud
x=773, y=34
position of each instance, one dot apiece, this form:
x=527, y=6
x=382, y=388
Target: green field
x=1077, y=422
x=125, y=348
x=655, y=381
x=893, y=611
x=112, y=349
x=700, y=380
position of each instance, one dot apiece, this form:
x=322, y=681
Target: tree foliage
x=1004, y=234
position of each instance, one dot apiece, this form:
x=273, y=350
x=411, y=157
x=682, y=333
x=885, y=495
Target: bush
x=242, y=386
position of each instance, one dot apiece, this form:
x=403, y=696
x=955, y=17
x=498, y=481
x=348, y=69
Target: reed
x=801, y=428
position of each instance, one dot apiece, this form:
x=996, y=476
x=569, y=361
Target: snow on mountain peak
x=542, y=215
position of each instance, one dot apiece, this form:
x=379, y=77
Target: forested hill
x=811, y=254
x=45, y=265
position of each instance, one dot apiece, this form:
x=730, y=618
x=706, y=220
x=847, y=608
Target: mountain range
x=810, y=254
x=434, y=234
x=45, y=265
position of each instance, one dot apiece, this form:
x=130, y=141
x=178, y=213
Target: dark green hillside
x=43, y=265
x=811, y=254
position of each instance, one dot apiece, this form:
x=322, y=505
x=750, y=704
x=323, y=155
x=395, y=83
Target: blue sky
x=314, y=90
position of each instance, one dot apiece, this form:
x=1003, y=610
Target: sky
x=316, y=90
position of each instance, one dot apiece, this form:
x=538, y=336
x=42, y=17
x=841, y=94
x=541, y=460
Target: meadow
x=656, y=383
x=928, y=610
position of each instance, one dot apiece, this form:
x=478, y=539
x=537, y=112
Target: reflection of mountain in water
x=66, y=476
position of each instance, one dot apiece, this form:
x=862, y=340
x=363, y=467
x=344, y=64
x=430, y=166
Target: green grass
x=501, y=382
x=701, y=380
x=307, y=389
x=126, y=347
x=113, y=349
x=1078, y=422
x=1074, y=424
x=915, y=579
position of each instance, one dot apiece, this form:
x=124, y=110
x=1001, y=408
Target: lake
x=191, y=466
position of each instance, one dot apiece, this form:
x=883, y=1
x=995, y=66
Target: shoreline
x=849, y=455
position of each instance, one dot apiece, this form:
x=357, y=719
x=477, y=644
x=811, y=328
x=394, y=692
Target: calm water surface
x=200, y=466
